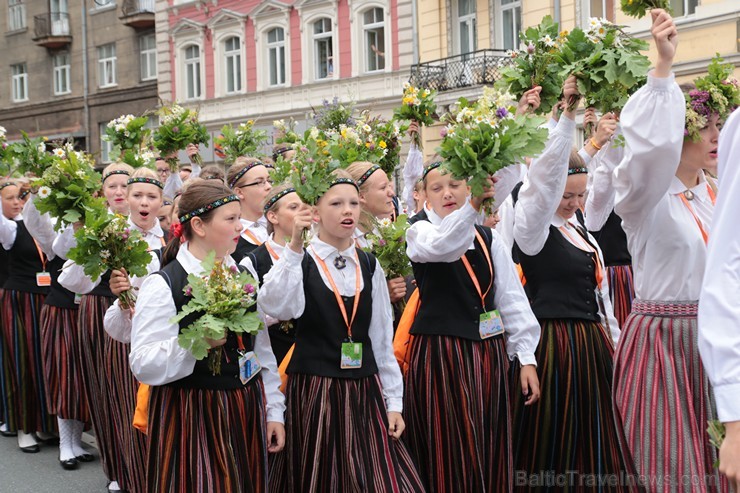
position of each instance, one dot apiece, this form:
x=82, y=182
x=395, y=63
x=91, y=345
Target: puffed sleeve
x=8, y=229
x=281, y=295
x=412, y=171
x=64, y=242
x=600, y=200
x=40, y=226
x=117, y=323
x=446, y=242
x=73, y=278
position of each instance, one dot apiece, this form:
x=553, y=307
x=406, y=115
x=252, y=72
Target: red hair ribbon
x=176, y=230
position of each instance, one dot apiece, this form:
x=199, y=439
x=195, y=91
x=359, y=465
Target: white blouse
x=601, y=196
x=156, y=358
x=413, y=168
x=8, y=230
x=282, y=297
x=257, y=228
x=448, y=239
x=41, y=227
x=719, y=311
x=247, y=263
x=668, y=251
x=536, y=210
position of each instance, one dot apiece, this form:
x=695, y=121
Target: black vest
x=561, y=280
x=3, y=266
x=450, y=304
x=103, y=287
x=321, y=330
x=282, y=334
x=243, y=247
x=613, y=242
x=202, y=377
x=24, y=263
x=59, y=296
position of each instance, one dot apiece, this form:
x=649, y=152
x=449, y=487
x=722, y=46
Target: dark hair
x=239, y=164
x=199, y=193
x=279, y=149
x=213, y=172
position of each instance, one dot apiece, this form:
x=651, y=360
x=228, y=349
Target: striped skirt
x=24, y=391
x=663, y=398
x=122, y=387
x=458, y=417
x=3, y=359
x=337, y=440
x=621, y=291
x=61, y=361
x=203, y=441
x=93, y=365
x=571, y=432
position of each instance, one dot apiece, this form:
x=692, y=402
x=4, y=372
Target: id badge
x=490, y=324
x=43, y=279
x=249, y=366
x=351, y=355
x=78, y=298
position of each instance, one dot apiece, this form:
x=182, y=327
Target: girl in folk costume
x=25, y=288
x=282, y=208
x=206, y=432
x=95, y=300
x=573, y=428
x=666, y=208
x=62, y=367
x=344, y=389
x=457, y=387
x=250, y=180
x=606, y=226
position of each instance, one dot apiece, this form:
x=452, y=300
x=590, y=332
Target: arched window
x=192, y=72
x=276, y=56
x=233, y=64
x=323, y=48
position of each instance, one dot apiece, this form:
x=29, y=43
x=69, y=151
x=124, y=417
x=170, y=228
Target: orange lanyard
x=251, y=237
x=41, y=255
x=161, y=240
x=336, y=291
x=685, y=201
x=472, y=275
x=271, y=251
x=597, y=258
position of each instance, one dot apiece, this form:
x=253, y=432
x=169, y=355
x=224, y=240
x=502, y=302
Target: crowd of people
x=554, y=345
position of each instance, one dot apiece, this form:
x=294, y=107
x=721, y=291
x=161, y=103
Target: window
x=16, y=15
x=323, y=49
x=105, y=146
x=233, y=56
x=466, y=26
x=276, y=55
x=61, y=74
x=99, y=4
x=107, y=65
x=511, y=18
x=192, y=72
x=148, y=57
x=374, y=36
x=681, y=8
x=19, y=79
x=602, y=8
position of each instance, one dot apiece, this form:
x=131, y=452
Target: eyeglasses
x=258, y=183
x=163, y=171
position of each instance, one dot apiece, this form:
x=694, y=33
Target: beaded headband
x=431, y=167
x=7, y=184
x=209, y=207
x=367, y=174
x=277, y=197
x=344, y=181
x=144, y=179
x=577, y=171
x=115, y=172
x=167, y=202
x=282, y=150
x=244, y=170
x=23, y=194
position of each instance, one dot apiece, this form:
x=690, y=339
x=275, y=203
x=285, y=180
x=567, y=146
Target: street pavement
x=41, y=472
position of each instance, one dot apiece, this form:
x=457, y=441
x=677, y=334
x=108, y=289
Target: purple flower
x=175, y=130
x=530, y=48
x=303, y=179
x=443, y=132
x=234, y=269
x=502, y=112
x=248, y=288
x=381, y=242
x=188, y=291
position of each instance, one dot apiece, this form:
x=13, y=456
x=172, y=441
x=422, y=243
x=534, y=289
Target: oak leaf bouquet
x=388, y=244
x=131, y=141
x=639, y=8
x=244, y=140
x=179, y=127
x=221, y=299
x=417, y=103
x=107, y=242
x=28, y=155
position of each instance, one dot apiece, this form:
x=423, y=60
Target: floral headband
x=717, y=93
x=143, y=179
x=344, y=181
x=244, y=170
x=577, y=171
x=277, y=197
x=367, y=174
x=209, y=207
x=115, y=172
x=7, y=184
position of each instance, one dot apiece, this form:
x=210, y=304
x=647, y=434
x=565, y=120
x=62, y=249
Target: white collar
x=191, y=264
x=274, y=245
x=558, y=221
x=156, y=229
x=259, y=223
x=324, y=250
x=700, y=189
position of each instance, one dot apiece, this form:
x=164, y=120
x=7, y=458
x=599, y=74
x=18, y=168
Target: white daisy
x=59, y=152
x=44, y=192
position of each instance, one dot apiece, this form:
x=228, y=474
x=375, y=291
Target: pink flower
x=248, y=288
x=443, y=132
x=188, y=291
x=381, y=242
x=175, y=130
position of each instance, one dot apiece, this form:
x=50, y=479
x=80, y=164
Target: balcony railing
x=138, y=14
x=51, y=29
x=476, y=68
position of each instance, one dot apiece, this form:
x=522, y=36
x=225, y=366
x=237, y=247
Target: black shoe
x=69, y=464
x=52, y=440
x=31, y=449
x=8, y=433
x=85, y=458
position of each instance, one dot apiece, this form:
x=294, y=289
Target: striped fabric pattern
x=572, y=428
x=203, y=441
x=121, y=405
x=458, y=415
x=663, y=399
x=61, y=361
x=24, y=392
x=337, y=440
x=3, y=359
x=621, y=291
x=92, y=358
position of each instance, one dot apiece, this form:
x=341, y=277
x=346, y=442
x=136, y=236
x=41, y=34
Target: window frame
x=19, y=82
x=366, y=29
x=105, y=146
x=280, y=48
x=323, y=37
x=17, y=11
x=62, y=71
x=232, y=59
x=501, y=8
x=197, y=69
x=471, y=20
x=102, y=66
x=146, y=56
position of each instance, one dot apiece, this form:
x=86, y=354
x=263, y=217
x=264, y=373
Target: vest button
x=588, y=302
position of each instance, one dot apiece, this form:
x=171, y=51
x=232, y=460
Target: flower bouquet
x=29, y=155
x=242, y=141
x=388, y=244
x=221, y=297
x=639, y=8
x=535, y=64
x=486, y=136
x=388, y=136
x=417, y=104
x=607, y=63
x=285, y=132
x=717, y=432
x=67, y=188
x=106, y=242
x=4, y=164
x=312, y=174
x=331, y=115
x=130, y=140
x=717, y=93
x=178, y=128
x=348, y=144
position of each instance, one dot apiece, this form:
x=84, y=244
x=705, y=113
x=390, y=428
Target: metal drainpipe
x=414, y=32
x=85, y=84
x=556, y=17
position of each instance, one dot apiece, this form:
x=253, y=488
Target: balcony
x=51, y=30
x=138, y=14
x=471, y=69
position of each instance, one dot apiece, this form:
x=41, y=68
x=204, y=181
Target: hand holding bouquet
x=242, y=141
x=222, y=297
x=388, y=244
x=130, y=140
x=417, y=104
x=639, y=8
x=285, y=132
x=355, y=143
x=179, y=127
x=388, y=137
